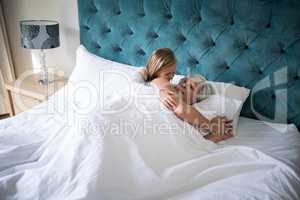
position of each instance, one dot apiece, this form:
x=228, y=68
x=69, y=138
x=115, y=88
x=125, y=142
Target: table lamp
x=40, y=34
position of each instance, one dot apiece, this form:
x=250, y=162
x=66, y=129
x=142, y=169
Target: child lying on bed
x=159, y=70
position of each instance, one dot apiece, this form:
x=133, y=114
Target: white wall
x=64, y=11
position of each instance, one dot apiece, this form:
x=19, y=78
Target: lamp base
x=44, y=71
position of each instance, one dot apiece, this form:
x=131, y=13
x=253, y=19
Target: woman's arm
x=189, y=114
x=218, y=126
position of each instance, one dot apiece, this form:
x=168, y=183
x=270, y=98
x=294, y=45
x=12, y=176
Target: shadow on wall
x=68, y=17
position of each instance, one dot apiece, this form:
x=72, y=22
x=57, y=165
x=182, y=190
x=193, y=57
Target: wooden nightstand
x=3, y=116
x=26, y=92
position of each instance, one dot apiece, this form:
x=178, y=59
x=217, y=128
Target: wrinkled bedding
x=45, y=156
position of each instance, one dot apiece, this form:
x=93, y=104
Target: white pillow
x=230, y=90
x=96, y=79
x=218, y=105
x=88, y=67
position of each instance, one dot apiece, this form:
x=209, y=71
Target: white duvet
x=107, y=155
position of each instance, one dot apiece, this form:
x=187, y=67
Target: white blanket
x=121, y=155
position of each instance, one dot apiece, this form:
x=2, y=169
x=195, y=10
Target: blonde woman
x=159, y=70
x=161, y=67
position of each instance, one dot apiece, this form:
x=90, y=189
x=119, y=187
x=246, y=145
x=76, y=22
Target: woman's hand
x=217, y=138
x=220, y=126
x=169, y=99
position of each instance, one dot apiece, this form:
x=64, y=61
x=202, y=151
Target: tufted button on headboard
x=252, y=43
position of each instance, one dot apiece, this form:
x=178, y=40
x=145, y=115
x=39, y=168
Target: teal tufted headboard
x=252, y=43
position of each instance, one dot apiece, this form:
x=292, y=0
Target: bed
x=261, y=161
x=253, y=44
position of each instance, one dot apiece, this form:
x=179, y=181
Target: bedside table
x=3, y=116
x=26, y=91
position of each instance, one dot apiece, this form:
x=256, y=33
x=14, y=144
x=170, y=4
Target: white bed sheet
x=280, y=141
x=232, y=172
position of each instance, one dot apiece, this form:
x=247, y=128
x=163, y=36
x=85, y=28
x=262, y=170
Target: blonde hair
x=207, y=89
x=159, y=59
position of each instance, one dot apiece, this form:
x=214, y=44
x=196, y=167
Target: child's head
x=161, y=64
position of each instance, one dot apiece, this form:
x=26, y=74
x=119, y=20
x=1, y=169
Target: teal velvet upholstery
x=252, y=43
